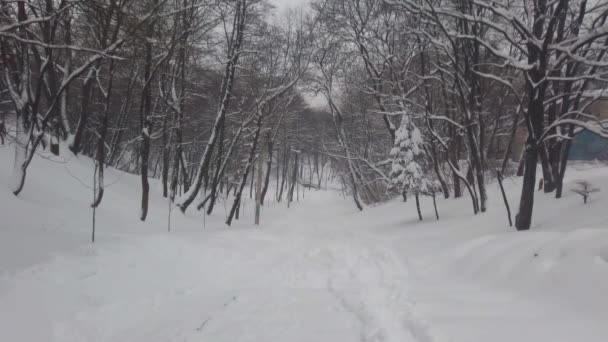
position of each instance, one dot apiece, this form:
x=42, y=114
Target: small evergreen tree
x=409, y=161
x=584, y=189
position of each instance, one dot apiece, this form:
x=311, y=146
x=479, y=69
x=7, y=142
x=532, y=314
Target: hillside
x=320, y=271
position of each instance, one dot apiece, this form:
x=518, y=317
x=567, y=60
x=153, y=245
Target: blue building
x=588, y=146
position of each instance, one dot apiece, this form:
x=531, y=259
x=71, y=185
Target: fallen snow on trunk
x=320, y=271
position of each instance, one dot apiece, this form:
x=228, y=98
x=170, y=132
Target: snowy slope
x=320, y=271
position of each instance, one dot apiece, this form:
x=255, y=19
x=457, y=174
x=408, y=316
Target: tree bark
x=435, y=205
x=145, y=124
x=258, y=190
x=549, y=182
x=499, y=177
x=268, y=168
x=165, y=159
x=284, y=173
x=294, y=179
x=523, y=220
x=418, y=206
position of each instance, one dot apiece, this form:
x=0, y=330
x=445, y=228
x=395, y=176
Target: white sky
x=285, y=4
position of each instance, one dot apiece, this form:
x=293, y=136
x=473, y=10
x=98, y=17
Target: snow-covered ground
x=319, y=271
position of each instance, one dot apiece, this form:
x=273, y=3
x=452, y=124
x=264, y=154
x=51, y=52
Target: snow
x=320, y=271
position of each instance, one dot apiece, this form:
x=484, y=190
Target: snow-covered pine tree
x=408, y=161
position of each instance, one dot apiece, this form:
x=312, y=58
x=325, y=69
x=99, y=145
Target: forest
x=419, y=97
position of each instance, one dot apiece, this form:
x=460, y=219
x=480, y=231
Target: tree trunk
x=21, y=155
x=284, y=177
x=145, y=125
x=455, y=172
x=268, y=168
x=565, y=153
x=252, y=181
x=549, y=183
x=250, y=160
x=444, y=185
x=522, y=163
x=258, y=188
x=457, y=189
x=294, y=179
x=101, y=143
x=499, y=177
x=217, y=174
x=523, y=220
x=418, y=206
x=435, y=205
x=536, y=84
x=476, y=159
x=165, y=151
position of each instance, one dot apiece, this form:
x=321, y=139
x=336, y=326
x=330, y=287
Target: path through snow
x=306, y=276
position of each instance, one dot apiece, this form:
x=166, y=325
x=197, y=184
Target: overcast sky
x=284, y=4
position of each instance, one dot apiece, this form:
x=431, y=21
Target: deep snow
x=319, y=271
